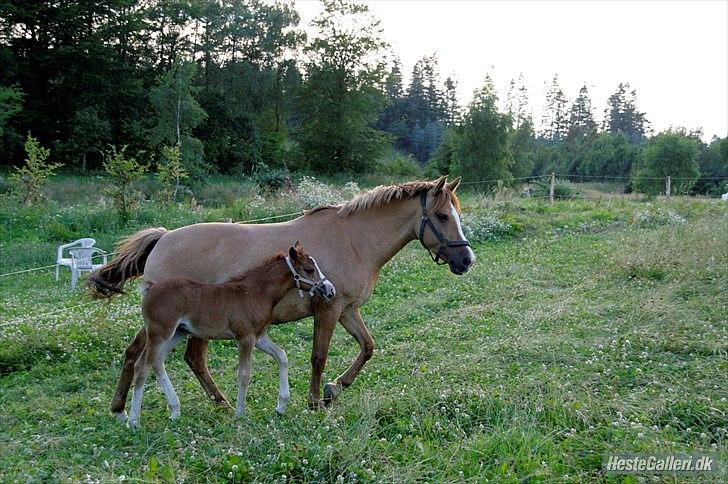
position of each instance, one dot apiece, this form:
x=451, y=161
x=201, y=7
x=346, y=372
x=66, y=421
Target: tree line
x=238, y=87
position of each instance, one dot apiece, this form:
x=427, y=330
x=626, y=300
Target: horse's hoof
x=221, y=401
x=331, y=391
x=120, y=416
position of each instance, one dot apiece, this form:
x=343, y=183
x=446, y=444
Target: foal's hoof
x=132, y=424
x=331, y=391
x=120, y=416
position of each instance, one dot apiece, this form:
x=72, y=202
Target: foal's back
x=210, y=311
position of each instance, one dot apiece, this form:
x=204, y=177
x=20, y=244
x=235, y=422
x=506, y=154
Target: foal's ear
x=298, y=247
x=293, y=254
x=453, y=185
x=439, y=185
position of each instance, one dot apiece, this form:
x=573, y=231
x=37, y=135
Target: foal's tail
x=132, y=253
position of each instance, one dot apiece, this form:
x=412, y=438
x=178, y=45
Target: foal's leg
x=131, y=355
x=145, y=362
x=354, y=324
x=270, y=348
x=245, y=357
x=196, y=358
x=163, y=378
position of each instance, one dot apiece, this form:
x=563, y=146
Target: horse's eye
x=442, y=217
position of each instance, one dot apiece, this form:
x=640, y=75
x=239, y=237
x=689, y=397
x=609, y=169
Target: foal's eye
x=442, y=217
x=309, y=270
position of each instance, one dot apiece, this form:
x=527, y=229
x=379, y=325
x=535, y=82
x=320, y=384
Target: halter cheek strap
x=298, y=278
x=443, y=241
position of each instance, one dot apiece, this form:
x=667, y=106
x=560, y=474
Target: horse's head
x=307, y=274
x=439, y=229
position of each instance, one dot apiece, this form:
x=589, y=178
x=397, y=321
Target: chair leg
x=74, y=278
x=57, y=269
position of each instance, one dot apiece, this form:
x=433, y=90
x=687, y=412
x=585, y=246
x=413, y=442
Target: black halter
x=444, y=242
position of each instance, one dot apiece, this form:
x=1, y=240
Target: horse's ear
x=453, y=185
x=293, y=254
x=439, y=185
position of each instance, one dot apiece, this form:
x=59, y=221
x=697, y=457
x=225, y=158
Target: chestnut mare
x=239, y=309
x=352, y=241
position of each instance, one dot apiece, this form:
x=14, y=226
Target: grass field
x=585, y=327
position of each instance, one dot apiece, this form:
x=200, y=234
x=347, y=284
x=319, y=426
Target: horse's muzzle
x=462, y=262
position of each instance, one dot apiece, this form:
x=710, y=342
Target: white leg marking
x=163, y=378
x=270, y=348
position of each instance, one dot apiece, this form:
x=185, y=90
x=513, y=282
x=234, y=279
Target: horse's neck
x=381, y=232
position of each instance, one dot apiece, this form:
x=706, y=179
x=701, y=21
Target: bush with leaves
x=170, y=173
x=271, y=179
x=124, y=172
x=563, y=189
x=28, y=180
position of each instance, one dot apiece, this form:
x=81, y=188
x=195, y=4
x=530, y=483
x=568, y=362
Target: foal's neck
x=270, y=283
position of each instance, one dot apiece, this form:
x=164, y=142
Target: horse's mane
x=384, y=194
x=264, y=265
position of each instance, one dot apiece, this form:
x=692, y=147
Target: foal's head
x=440, y=230
x=307, y=274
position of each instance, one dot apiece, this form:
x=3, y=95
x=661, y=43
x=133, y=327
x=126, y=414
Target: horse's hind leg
x=196, y=358
x=354, y=324
x=267, y=346
x=127, y=374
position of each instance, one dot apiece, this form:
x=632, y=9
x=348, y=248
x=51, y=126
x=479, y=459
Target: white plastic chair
x=66, y=261
x=82, y=261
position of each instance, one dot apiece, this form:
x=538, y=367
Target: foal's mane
x=259, y=268
x=383, y=194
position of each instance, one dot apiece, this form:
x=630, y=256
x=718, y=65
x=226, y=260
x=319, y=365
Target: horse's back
x=208, y=252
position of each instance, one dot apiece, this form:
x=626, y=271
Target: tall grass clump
x=563, y=189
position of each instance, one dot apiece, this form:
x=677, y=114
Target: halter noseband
x=444, y=241
x=315, y=285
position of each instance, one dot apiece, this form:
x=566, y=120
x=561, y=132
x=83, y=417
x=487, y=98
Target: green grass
x=584, y=331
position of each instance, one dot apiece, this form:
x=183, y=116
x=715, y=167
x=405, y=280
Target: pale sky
x=675, y=53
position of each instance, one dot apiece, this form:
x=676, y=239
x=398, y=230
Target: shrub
x=124, y=172
x=486, y=227
x=401, y=166
x=28, y=181
x=563, y=189
x=314, y=193
x=271, y=179
x=170, y=173
x=657, y=216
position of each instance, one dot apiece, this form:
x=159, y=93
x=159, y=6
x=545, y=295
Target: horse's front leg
x=324, y=322
x=196, y=358
x=354, y=324
x=267, y=346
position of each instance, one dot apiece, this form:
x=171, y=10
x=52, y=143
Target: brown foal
x=239, y=309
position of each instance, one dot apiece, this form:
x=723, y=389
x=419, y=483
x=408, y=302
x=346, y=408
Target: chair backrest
x=82, y=257
x=84, y=242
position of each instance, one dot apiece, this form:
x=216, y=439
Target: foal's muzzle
x=326, y=291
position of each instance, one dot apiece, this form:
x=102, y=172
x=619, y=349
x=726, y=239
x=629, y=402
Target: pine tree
x=452, y=107
x=622, y=115
x=581, y=119
x=555, y=122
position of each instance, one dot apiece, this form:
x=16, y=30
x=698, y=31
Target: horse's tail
x=131, y=256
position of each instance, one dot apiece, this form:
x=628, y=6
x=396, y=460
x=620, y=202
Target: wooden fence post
x=668, y=186
x=552, y=185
